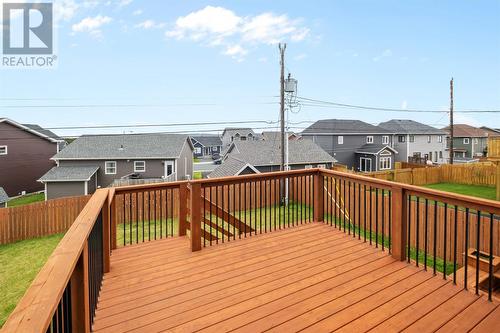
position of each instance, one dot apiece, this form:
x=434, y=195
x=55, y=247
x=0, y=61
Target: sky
x=170, y=62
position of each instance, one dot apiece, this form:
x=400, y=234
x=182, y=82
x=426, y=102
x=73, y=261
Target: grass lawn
x=26, y=199
x=19, y=264
x=197, y=175
x=196, y=160
x=484, y=192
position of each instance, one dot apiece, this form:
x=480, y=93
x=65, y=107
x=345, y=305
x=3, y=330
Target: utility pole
x=451, y=121
x=282, y=48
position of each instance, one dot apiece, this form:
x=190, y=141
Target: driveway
x=204, y=166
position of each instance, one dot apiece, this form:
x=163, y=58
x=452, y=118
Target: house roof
x=232, y=166
x=208, y=140
x=343, y=126
x=374, y=149
x=34, y=129
x=276, y=136
x=231, y=131
x=3, y=196
x=467, y=131
x=125, y=146
x=491, y=131
x=69, y=173
x=407, y=126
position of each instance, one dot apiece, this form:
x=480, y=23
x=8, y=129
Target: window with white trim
x=428, y=139
x=110, y=167
x=197, y=150
x=369, y=139
x=384, y=163
x=385, y=140
x=440, y=138
x=309, y=166
x=323, y=166
x=401, y=138
x=466, y=141
x=3, y=150
x=139, y=166
x=340, y=140
x=411, y=138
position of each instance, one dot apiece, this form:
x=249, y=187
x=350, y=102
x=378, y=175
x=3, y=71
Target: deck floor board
x=312, y=277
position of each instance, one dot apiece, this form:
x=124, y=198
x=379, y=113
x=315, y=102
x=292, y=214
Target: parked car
x=216, y=157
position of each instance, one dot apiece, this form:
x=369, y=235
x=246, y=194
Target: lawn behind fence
x=484, y=192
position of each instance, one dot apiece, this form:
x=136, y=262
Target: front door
x=365, y=164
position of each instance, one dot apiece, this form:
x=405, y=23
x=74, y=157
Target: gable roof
x=343, y=126
x=3, y=195
x=125, y=146
x=232, y=166
x=374, y=149
x=69, y=173
x=34, y=129
x=208, y=140
x=407, y=126
x=467, y=131
x=231, y=131
x=276, y=136
x=491, y=131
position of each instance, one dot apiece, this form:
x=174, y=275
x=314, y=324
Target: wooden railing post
x=183, y=191
x=318, y=196
x=399, y=221
x=196, y=200
x=80, y=308
x=106, y=231
x=112, y=222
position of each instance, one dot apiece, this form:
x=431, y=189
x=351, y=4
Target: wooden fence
x=39, y=219
x=484, y=174
x=494, y=148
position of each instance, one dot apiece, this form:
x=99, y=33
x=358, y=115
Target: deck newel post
x=399, y=222
x=196, y=200
x=112, y=221
x=318, y=197
x=106, y=238
x=80, y=308
x=183, y=209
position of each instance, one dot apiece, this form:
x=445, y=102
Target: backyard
x=484, y=192
x=26, y=199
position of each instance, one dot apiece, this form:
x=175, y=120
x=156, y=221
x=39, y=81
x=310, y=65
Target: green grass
x=26, y=199
x=197, y=175
x=196, y=160
x=150, y=229
x=484, y=192
x=20, y=262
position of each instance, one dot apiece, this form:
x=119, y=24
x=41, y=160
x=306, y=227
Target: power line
x=102, y=106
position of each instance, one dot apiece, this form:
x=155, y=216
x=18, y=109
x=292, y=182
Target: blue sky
x=218, y=61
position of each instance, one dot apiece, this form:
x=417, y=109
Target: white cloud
x=137, y=12
x=124, y=3
x=149, y=24
x=236, y=52
x=387, y=53
x=218, y=26
x=92, y=25
x=64, y=10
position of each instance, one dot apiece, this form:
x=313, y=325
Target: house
x=3, y=198
x=94, y=161
x=229, y=135
x=206, y=145
x=417, y=141
x=469, y=142
x=276, y=136
x=354, y=143
x=245, y=157
x=25, y=152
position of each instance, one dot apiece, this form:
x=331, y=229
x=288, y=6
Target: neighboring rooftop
x=44, y=131
x=232, y=166
x=69, y=173
x=407, y=126
x=208, y=140
x=3, y=196
x=275, y=136
x=343, y=126
x=232, y=131
x=467, y=131
x=125, y=146
x=34, y=129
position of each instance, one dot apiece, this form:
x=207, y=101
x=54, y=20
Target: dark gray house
x=206, y=145
x=354, y=143
x=245, y=157
x=3, y=198
x=417, y=141
x=96, y=161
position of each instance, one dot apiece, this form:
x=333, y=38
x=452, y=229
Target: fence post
x=80, y=308
x=498, y=180
x=399, y=222
x=196, y=217
x=318, y=196
x=183, y=209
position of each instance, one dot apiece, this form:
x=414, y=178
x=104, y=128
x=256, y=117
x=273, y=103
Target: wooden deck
x=313, y=278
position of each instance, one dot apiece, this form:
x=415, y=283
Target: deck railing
x=453, y=235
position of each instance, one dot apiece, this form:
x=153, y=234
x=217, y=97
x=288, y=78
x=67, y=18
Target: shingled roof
x=69, y=173
x=34, y=129
x=343, y=127
x=208, y=140
x=125, y=146
x=467, y=131
x=407, y=126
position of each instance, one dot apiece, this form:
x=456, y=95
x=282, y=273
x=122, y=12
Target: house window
x=441, y=154
x=476, y=141
x=466, y=141
x=243, y=138
x=440, y=139
x=385, y=140
x=385, y=163
x=369, y=139
x=309, y=166
x=340, y=140
x=401, y=138
x=110, y=168
x=428, y=139
x=323, y=166
x=430, y=155
x=3, y=150
x=435, y=156
x=412, y=138
x=197, y=150
x=139, y=166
